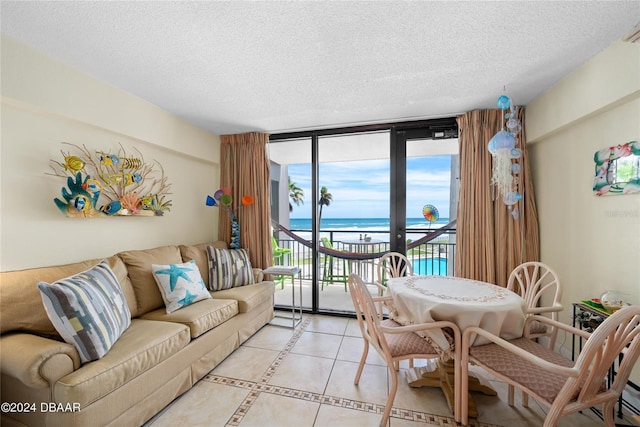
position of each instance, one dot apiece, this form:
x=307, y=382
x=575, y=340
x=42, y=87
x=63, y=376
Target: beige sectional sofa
x=156, y=359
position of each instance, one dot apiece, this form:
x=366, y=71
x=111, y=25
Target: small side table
x=587, y=317
x=283, y=270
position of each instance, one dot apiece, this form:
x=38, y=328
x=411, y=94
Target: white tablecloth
x=421, y=299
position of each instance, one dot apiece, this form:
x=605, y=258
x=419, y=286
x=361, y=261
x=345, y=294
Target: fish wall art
x=101, y=183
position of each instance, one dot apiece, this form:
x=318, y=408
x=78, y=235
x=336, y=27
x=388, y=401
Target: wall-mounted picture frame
x=617, y=170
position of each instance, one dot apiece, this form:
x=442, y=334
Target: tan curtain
x=244, y=167
x=489, y=242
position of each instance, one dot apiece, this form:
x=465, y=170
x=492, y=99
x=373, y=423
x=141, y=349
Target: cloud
x=423, y=178
x=360, y=189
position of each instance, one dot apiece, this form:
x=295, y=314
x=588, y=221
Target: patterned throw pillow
x=88, y=310
x=228, y=268
x=180, y=284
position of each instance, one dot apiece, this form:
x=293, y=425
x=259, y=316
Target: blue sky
x=360, y=189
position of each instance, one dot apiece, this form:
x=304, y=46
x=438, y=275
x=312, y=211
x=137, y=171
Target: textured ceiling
x=233, y=67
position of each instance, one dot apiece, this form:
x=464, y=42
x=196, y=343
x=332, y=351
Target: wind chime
x=503, y=149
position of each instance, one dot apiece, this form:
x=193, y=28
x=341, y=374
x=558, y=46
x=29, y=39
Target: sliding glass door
x=431, y=204
x=341, y=198
x=292, y=216
x=353, y=211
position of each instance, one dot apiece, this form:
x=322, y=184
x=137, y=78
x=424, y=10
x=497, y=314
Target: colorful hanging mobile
x=505, y=155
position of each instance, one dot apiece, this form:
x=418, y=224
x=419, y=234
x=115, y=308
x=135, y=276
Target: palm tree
x=296, y=194
x=325, y=200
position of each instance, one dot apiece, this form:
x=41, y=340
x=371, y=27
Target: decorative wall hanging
x=617, y=170
x=505, y=155
x=103, y=183
x=223, y=199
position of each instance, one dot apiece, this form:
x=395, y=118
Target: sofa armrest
x=257, y=275
x=36, y=361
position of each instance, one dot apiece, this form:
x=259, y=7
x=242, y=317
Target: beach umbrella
x=430, y=213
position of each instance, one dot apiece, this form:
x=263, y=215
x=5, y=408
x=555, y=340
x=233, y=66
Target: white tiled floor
x=281, y=377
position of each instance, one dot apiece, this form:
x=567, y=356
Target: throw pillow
x=88, y=310
x=180, y=284
x=228, y=268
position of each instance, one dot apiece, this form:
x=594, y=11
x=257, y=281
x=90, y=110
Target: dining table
x=466, y=303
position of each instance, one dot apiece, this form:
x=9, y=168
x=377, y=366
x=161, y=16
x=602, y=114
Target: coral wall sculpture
x=101, y=183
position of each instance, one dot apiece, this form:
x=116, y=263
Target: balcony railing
x=433, y=257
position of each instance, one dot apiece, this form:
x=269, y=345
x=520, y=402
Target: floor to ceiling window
x=342, y=197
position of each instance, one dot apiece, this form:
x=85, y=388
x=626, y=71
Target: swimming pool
x=430, y=266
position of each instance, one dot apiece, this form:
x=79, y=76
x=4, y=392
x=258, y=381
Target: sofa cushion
x=198, y=253
x=88, y=310
x=21, y=307
x=119, y=268
x=200, y=317
x=248, y=297
x=228, y=268
x=180, y=284
x=142, y=346
x=148, y=296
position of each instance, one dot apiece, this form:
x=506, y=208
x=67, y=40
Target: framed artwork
x=617, y=170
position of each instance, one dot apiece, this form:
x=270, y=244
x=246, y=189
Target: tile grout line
x=404, y=414
x=255, y=387
x=262, y=386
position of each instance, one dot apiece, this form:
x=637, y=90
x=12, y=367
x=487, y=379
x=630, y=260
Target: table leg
x=300, y=298
x=441, y=374
x=295, y=317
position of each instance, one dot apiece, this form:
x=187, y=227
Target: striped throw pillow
x=88, y=310
x=228, y=268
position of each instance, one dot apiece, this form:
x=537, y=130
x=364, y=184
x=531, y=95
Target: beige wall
x=592, y=242
x=45, y=102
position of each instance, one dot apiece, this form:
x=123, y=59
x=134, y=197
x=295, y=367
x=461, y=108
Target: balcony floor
x=332, y=297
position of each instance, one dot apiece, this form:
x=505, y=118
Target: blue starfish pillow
x=180, y=284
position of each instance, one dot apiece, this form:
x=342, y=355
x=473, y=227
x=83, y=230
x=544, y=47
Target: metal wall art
x=102, y=183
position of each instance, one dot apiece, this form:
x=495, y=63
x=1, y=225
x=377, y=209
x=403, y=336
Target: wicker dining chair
x=540, y=287
x=391, y=264
x=393, y=341
x=552, y=379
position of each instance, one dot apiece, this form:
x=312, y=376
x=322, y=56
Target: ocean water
x=350, y=228
x=355, y=224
